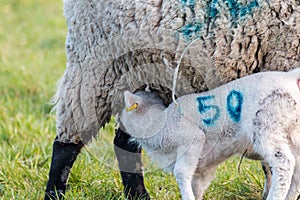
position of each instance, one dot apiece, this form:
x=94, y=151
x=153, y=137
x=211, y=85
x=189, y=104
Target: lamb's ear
x=131, y=99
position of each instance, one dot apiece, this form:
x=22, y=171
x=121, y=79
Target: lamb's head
x=143, y=115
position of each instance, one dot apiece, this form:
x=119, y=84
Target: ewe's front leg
x=63, y=157
x=130, y=165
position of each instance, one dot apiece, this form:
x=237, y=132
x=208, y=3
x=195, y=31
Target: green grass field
x=32, y=59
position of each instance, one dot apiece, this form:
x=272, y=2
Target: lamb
x=114, y=46
x=193, y=136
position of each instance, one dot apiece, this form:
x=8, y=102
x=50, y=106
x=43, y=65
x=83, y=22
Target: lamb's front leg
x=186, y=164
x=201, y=181
x=184, y=170
x=282, y=162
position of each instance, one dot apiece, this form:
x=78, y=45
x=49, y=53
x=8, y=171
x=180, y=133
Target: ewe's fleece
x=113, y=46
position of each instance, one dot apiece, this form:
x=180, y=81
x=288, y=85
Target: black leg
x=268, y=178
x=130, y=164
x=63, y=157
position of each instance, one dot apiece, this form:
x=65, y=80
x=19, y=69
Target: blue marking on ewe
x=190, y=30
x=236, y=9
x=235, y=101
x=212, y=10
x=189, y=3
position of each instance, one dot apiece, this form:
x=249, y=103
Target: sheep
x=114, y=46
x=193, y=136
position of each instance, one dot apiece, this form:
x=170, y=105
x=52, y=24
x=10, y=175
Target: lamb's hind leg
x=130, y=165
x=282, y=162
x=294, y=190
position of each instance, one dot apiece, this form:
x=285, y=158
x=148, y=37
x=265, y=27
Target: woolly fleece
x=113, y=46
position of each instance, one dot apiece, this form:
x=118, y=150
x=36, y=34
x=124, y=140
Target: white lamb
x=258, y=114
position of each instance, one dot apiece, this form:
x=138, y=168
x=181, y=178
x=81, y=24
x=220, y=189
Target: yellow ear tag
x=134, y=106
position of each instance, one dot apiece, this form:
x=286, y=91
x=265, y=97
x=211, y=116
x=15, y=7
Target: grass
x=32, y=59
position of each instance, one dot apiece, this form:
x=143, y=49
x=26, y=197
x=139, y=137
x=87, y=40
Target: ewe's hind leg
x=130, y=165
x=201, y=181
x=268, y=179
x=282, y=162
x=63, y=157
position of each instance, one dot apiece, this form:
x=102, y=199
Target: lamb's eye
x=134, y=106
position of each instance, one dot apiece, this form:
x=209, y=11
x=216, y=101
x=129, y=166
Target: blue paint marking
x=190, y=30
x=213, y=11
x=236, y=10
x=248, y=9
x=235, y=101
x=188, y=2
x=193, y=28
x=208, y=109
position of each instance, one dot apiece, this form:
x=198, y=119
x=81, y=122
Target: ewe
x=113, y=46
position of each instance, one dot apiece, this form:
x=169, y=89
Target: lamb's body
x=207, y=128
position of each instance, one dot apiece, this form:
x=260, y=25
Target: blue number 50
x=206, y=108
x=234, y=105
